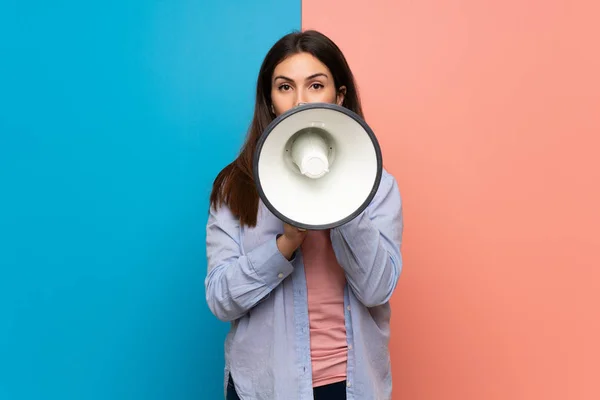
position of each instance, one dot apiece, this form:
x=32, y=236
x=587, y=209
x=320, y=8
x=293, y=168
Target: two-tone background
x=115, y=117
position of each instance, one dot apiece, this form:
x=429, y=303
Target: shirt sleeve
x=235, y=281
x=368, y=247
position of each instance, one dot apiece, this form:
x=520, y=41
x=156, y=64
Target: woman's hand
x=291, y=239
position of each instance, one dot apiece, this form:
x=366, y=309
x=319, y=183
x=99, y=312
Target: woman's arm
x=368, y=247
x=236, y=282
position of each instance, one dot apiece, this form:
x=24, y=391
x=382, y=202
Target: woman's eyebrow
x=307, y=78
x=317, y=75
x=285, y=78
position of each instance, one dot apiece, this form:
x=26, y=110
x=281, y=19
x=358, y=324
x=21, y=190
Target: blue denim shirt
x=252, y=285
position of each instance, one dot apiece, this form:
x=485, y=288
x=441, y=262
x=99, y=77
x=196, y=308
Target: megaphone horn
x=317, y=166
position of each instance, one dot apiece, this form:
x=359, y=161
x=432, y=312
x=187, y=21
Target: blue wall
x=114, y=119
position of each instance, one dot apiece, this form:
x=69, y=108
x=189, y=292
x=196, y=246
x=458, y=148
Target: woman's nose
x=300, y=99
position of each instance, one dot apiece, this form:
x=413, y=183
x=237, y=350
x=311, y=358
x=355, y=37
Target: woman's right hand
x=291, y=239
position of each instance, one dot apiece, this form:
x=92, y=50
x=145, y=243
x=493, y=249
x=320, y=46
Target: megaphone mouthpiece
x=310, y=154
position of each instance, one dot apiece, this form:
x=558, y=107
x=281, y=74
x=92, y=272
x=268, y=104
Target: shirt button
x=350, y=346
x=348, y=384
x=280, y=275
x=348, y=308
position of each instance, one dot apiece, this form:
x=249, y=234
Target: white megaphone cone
x=317, y=166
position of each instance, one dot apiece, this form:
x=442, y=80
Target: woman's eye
x=285, y=87
x=316, y=86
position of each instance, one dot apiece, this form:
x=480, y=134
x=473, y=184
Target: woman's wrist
x=285, y=246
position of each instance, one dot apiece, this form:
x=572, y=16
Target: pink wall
x=489, y=116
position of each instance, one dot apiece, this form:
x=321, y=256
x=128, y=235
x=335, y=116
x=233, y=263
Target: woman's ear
x=341, y=95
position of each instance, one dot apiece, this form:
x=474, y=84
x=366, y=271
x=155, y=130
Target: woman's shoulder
x=388, y=182
x=386, y=176
x=222, y=214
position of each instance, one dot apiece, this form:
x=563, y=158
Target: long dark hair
x=234, y=185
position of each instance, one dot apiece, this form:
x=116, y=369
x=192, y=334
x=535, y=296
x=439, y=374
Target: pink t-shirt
x=325, y=280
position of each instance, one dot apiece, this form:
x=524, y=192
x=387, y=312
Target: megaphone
x=317, y=166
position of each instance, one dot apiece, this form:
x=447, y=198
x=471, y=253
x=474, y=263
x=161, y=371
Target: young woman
x=309, y=310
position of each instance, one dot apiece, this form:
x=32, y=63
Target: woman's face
x=302, y=78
